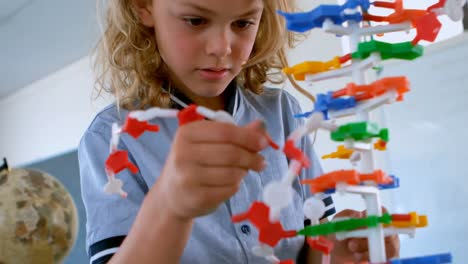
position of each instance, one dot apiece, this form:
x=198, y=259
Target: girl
x=193, y=178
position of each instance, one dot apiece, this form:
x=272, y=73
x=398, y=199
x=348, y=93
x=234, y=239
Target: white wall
x=428, y=147
x=48, y=117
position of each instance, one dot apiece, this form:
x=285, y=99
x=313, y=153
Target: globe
x=38, y=218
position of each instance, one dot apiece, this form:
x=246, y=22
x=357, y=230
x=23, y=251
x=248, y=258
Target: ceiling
x=39, y=37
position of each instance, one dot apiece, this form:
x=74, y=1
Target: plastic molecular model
x=360, y=138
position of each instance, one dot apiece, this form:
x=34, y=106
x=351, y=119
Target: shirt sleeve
x=108, y=217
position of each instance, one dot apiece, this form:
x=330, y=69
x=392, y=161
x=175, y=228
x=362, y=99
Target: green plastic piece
x=359, y=131
x=345, y=225
x=403, y=50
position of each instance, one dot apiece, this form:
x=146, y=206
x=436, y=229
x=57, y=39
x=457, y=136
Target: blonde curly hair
x=130, y=67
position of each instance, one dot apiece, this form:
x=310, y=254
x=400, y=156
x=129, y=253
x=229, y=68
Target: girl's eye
x=195, y=21
x=243, y=24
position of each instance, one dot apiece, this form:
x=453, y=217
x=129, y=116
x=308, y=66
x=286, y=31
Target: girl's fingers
x=252, y=137
x=226, y=155
x=358, y=245
x=221, y=176
x=392, y=244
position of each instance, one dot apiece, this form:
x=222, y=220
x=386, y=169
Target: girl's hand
x=357, y=249
x=206, y=165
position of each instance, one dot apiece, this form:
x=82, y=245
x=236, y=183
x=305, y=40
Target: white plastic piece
x=454, y=9
x=220, y=116
x=152, y=113
x=411, y=232
x=330, y=27
x=374, y=207
x=263, y=250
x=313, y=123
x=351, y=11
x=356, y=145
x=355, y=157
x=266, y=252
x=366, y=106
x=115, y=137
x=358, y=189
x=277, y=196
x=326, y=259
x=314, y=209
x=293, y=170
x=373, y=60
x=114, y=186
x=364, y=233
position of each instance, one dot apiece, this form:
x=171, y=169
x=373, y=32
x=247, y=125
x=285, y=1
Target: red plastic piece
x=427, y=28
x=136, y=128
x=397, y=5
x=400, y=15
x=118, y=161
x=321, y=244
x=438, y=5
x=292, y=152
x=345, y=58
x=401, y=218
x=188, y=115
x=269, y=233
x=271, y=142
x=377, y=88
x=289, y=261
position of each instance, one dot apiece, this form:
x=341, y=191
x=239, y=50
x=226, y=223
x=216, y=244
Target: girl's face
x=204, y=42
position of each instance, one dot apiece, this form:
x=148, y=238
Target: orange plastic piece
x=377, y=88
x=321, y=244
x=269, y=233
x=377, y=176
x=292, y=152
x=380, y=145
x=188, y=115
x=310, y=67
x=118, y=161
x=329, y=180
x=136, y=128
x=340, y=153
x=351, y=177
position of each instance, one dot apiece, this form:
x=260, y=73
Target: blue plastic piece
x=395, y=184
x=304, y=21
x=326, y=102
x=303, y=115
x=433, y=259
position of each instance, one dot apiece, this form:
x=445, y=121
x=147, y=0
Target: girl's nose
x=219, y=43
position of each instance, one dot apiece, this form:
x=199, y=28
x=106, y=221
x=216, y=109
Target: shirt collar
x=231, y=93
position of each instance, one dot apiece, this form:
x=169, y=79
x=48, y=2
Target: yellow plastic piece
x=340, y=153
x=310, y=67
x=417, y=221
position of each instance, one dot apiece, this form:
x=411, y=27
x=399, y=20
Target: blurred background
x=46, y=103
